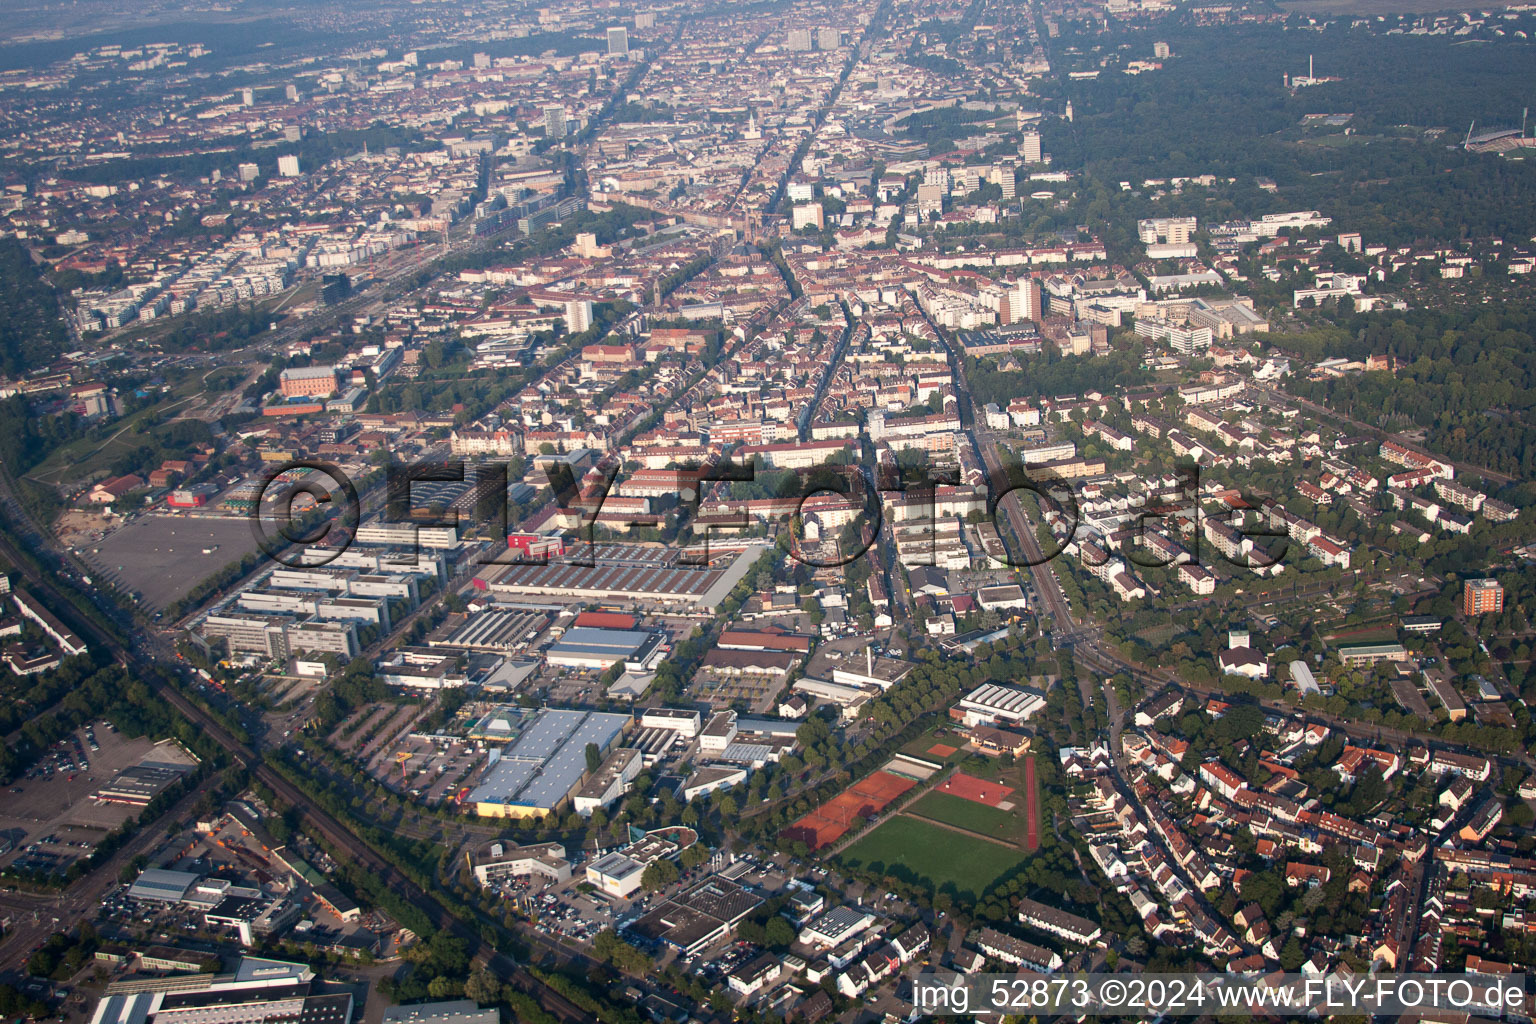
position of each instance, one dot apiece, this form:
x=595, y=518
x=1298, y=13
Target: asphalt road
x=319, y=820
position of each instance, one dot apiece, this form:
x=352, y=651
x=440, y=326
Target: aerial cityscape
x=766, y=510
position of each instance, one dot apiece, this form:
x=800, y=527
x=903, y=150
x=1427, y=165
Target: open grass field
x=1382, y=633
x=85, y=457
x=967, y=814
x=1158, y=635
x=909, y=848
x=939, y=736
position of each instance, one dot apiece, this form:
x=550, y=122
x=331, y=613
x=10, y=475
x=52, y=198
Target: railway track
x=334, y=831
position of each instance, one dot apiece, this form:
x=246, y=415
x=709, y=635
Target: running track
x=1031, y=806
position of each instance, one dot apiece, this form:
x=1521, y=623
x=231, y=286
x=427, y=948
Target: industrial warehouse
x=624, y=572
x=537, y=772
x=155, y=772
x=496, y=629
x=589, y=647
x=998, y=703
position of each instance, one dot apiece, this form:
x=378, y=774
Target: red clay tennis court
x=1031, y=806
x=968, y=787
x=815, y=831
x=863, y=799
x=882, y=787
x=942, y=750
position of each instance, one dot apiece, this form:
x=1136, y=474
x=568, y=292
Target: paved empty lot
x=61, y=806
x=161, y=556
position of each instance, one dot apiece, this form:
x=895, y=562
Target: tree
x=778, y=933
x=658, y=874
x=594, y=757
x=609, y=947
x=482, y=987
x=447, y=954
x=443, y=987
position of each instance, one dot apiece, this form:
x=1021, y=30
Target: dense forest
x=1468, y=376
x=1206, y=112
x=1051, y=373
x=31, y=333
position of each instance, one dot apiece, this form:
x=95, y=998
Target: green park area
x=969, y=815
x=922, y=852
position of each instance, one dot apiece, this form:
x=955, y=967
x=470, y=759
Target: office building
x=799, y=40
x=682, y=720
x=1029, y=148
x=307, y=381
x=288, y=166
x=616, y=874
x=578, y=315
x=618, y=41
x=1481, y=597
x=276, y=637
x=807, y=215
x=611, y=781
x=499, y=860
x=554, y=121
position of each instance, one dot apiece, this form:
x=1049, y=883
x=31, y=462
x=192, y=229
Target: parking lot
x=720, y=690
x=433, y=772
x=571, y=912
x=570, y=685
x=162, y=556
x=373, y=728
x=845, y=650
x=47, y=816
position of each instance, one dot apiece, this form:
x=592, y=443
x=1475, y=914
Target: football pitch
x=967, y=814
x=913, y=849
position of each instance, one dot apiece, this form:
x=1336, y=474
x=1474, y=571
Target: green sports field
x=968, y=814
x=909, y=847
